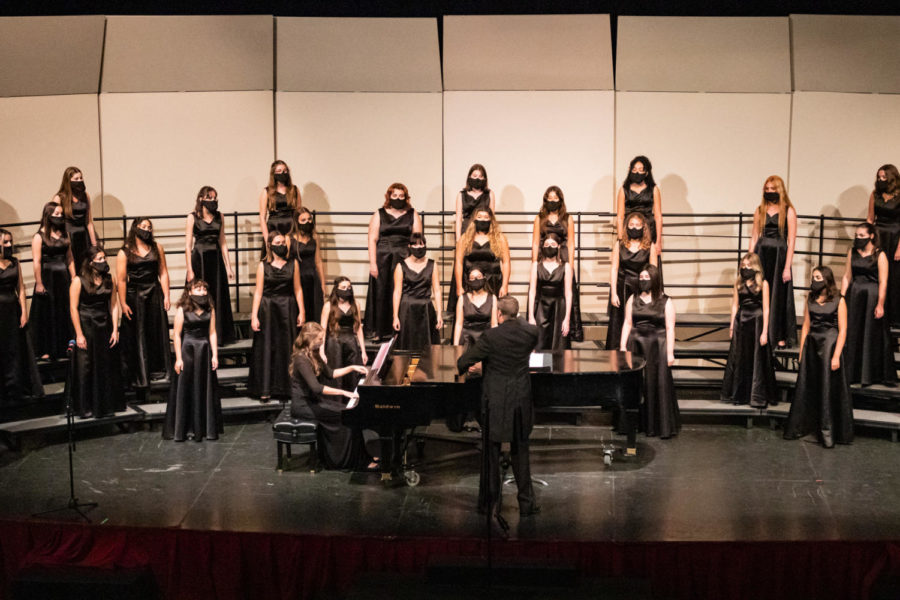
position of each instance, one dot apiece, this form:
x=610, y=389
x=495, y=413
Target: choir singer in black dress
x=506, y=401
x=822, y=404
x=884, y=212
x=344, y=343
x=417, y=299
x=54, y=270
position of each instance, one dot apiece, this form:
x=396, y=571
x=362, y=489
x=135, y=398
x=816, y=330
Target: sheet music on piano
x=378, y=366
x=540, y=361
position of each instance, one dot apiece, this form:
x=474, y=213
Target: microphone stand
x=73, y=503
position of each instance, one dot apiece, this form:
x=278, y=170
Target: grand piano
x=411, y=391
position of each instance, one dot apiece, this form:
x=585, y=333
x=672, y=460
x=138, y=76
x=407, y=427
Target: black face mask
x=817, y=286
x=280, y=251
x=551, y=251
x=552, y=205
x=638, y=178
x=344, y=294
x=144, y=235
x=418, y=251
x=747, y=273
x=78, y=188
x=860, y=243
x=635, y=233
x=475, y=184
x=283, y=178
x=771, y=197
x=101, y=267
x=201, y=301
x=305, y=228
x=57, y=222
x=881, y=186
x=476, y=284
x=211, y=205
x=6, y=252
x=482, y=226
x=398, y=203
x=644, y=285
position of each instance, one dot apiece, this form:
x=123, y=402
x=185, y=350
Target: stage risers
x=717, y=512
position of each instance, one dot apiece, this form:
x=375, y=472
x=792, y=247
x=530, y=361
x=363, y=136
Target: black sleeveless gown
x=342, y=348
x=887, y=220
x=869, y=357
x=476, y=320
x=481, y=257
x=630, y=266
x=470, y=205
x=822, y=402
x=96, y=378
x=642, y=202
x=76, y=227
x=145, y=337
x=772, y=250
x=418, y=319
x=194, y=409
x=208, y=265
x=50, y=319
x=576, y=329
x=659, y=414
x=272, y=344
x=281, y=218
x=313, y=300
x=19, y=376
x=749, y=372
x=550, y=308
x=392, y=247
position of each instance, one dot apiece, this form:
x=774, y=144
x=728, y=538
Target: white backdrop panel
x=358, y=55
x=846, y=53
x=41, y=137
x=528, y=141
x=710, y=153
x=703, y=54
x=345, y=149
x=527, y=52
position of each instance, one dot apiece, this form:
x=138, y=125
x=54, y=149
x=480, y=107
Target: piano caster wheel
x=412, y=478
x=607, y=458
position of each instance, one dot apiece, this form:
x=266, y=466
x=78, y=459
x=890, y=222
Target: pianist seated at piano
x=417, y=297
x=344, y=344
x=649, y=331
x=339, y=446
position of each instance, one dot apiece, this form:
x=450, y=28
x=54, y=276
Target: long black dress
x=822, y=402
x=339, y=447
x=194, y=409
x=271, y=356
x=18, y=370
x=96, y=377
x=392, y=247
x=772, y=250
x=418, y=319
x=630, y=266
x=145, y=336
x=313, y=299
x=76, y=227
x=281, y=217
x=641, y=202
x=550, y=307
x=887, y=220
x=342, y=348
x=208, y=265
x=50, y=319
x=576, y=330
x=470, y=205
x=749, y=372
x=476, y=320
x=659, y=411
x=481, y=257
x=868, y=352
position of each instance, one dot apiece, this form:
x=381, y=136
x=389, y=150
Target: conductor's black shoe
x=530, y=512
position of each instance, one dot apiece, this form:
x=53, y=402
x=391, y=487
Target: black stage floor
x=712, y=483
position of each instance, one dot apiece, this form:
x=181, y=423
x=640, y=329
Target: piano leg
x=630, y=395
x=390, y=454
x=631, y=420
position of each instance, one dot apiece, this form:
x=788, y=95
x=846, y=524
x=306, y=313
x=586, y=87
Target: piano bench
x=288, y=431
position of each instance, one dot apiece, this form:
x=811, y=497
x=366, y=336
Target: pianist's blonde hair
x=305, y=345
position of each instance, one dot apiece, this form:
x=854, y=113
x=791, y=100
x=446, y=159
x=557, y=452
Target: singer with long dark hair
x=279, y=201
x=206, y=256
x=76, y=205
x=54, y=269
x=483, y=246
x=639, y=193
x=96, y=384
x=18, y=370
x=474, y=196
x=143, y=286
x=630, y=254
x=417, y=300
x=344, y=343
x=306, y=248
x=550, y=297
x=884, y=212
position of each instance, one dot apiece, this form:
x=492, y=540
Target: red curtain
x=234, y=565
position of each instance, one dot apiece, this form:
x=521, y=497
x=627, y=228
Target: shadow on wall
x=8, y=214
x=314, y=197
x=109, y=206
x=680, y=234
x=510, y=199
x=603, y=195
x=852, y=202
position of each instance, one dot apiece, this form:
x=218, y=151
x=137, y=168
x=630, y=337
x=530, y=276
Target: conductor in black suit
x=506, y=395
